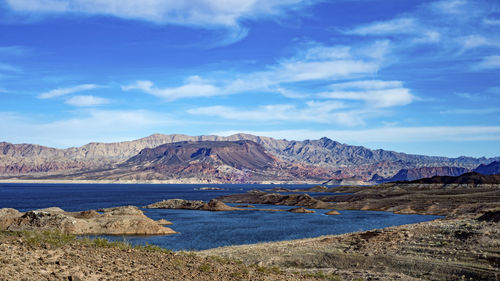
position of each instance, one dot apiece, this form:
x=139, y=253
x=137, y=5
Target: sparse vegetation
x=205, y=267
x=47, y=238
x=324, y=276
x=269, y=270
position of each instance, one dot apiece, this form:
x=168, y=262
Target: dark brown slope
x=468, y=178
x=490, y=169
x=237, y=154
x=425, y=172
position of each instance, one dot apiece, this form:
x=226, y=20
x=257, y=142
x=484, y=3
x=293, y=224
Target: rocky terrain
x=214, y=205
x=128, y=220
x=463, y=245
x=446, y=249
x=34, y=256
x=302, y=200
x=314, y=160
x=446, y=196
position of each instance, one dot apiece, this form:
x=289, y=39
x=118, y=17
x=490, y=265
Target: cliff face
x=323, y=158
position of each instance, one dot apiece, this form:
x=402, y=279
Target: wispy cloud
x=66, y=91
x=476, y=41
x=195, y=87
x=389, y=27
x=327, y=112
x=450, y=6
x=199, y=13
x=83, y=101
x=318, y=63
x=375, y=93
x=489, y=62
x=453, y=28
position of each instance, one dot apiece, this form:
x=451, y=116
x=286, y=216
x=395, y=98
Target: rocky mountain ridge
x=338, y=160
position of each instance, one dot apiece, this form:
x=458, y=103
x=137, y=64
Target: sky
x=419, y=77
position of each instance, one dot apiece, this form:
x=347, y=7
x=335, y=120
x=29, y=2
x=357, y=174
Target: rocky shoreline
x=127, y=220
x=444, y=249
x=464, y=245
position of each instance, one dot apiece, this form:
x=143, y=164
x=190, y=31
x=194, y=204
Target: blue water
x=198, y=229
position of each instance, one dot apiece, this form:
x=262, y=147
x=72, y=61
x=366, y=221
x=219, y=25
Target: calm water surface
x=199, y=229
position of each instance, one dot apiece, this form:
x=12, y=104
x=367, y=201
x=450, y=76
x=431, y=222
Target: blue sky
x=412, y=76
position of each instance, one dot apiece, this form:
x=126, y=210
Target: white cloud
x=450, y=6
x=453, y=28
x=375, y=93
x=394, y=26
x=327, y=52
x=376, y=98
x=192, y=89
x=476, y=40
x=66, y=91
x=491, y=21
x=367, y=85
x=489, y=62
x=207, y=14
x=387, y=134
x=336, y=69
x=83, y=101
x=319, y=63
x=195, y=12
x=327, y=112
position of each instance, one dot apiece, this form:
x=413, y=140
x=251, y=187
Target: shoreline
x=462, y=248
x=62, y=181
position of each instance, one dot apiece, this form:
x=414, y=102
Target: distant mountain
x=490, y=169
x=204, y=162
x=237, y=154
x=467, y=178
x=313, y=157
x=424, y=172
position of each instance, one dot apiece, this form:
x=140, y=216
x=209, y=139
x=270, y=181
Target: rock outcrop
x=303, y=200
x=213, y=205
x=128, y=220
x=301, y=210
x=332, y=213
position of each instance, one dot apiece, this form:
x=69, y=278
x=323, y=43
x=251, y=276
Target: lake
x=199, y=229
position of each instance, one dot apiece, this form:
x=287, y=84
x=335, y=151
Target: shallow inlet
x=199, y=229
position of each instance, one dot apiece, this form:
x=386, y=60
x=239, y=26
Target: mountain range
x=236, y=158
